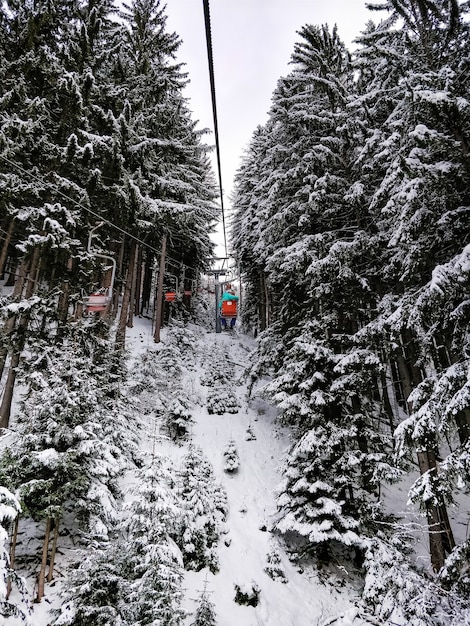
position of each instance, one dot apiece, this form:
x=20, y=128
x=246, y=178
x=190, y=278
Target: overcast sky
x=252, y=44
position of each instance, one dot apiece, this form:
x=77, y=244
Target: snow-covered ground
x=301, y=601
x=302, y=598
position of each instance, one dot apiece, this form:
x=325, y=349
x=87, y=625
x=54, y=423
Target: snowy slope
x=303, y=600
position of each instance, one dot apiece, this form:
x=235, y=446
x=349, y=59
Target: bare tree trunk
x=159, y=296
x=6, y=243
x=147, y=283
x=387, y=405
x=14, y=538
x=42, y=571
x=441, y=538
x=263, y=303
x=10, y=323
x=121, y=330
x=63, y=304
x=138, y=283
x=50, y=573
x=5, y=408
x=134, y=264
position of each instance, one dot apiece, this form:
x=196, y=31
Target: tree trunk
x=10, y=323
x=121, y=330
x=441, y=539
x=263, y=305
x=14, y=538
x=147, y=284
x=42, y=571
x=387, y=405
x=5, y=408
x=133, y=274
x=50, y=573
x=138, y=283
x=159, y=295
x=6, y=243
x=63, y=304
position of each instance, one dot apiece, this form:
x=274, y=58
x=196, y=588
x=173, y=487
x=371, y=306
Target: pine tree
x=205, y=614
x=152, y=563
x=9, y=511
x=231, y=459
x=69, y=449
x=205, y=505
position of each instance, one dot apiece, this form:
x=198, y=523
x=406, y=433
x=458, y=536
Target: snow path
x=303, y=600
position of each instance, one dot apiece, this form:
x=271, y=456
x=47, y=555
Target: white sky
x=252, y=44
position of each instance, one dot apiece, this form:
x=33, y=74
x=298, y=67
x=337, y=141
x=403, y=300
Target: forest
x=350, y=227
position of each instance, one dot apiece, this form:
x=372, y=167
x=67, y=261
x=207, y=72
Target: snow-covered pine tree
x=71, y=442
x=9, y=511
x=177, y=416
x=152, y=562
x=95, y=589
x=222, y=400
x=205, y=510
x=416, y=160
x=205, y=613
x=231, y=458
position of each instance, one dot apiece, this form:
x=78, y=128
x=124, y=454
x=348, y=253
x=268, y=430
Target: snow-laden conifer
x=204, y=504
x=152, y=562
x=205, y=612
x=9, y=579
x=231, y=458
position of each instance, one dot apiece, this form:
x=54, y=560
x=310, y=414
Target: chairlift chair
x=99, y=300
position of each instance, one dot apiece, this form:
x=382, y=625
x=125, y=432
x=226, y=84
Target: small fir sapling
x=178, y=418
x=274, y=566
x=205, y=614
x=250, y=435
x=231, y=458
x=222, y=400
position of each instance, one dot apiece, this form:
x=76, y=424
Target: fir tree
x=205, y=506
x=9, y=511
x=205, y=613
x=231, y=459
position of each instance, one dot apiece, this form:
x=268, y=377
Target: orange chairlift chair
x=100, y=299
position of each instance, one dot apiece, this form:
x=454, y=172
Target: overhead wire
x=210, y=59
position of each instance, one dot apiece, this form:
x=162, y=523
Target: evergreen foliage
x=205, y=510
x=231, y=458
x=9, y=511
x=205, y=613
x=153, y=565
x=351, y=229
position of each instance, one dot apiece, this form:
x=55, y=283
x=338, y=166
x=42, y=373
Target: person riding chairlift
x=229, y=294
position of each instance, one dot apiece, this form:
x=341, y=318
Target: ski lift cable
x=88, y=210
x=210, y=60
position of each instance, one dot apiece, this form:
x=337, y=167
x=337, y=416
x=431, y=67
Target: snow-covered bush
x=231, y=459
x=222, y=400
x=274, y=567
x=247, y=594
